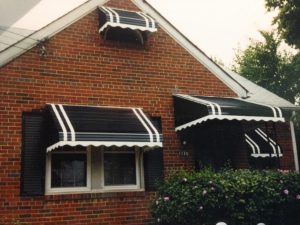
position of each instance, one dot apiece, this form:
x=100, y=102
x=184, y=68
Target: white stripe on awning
x=68, y=122
x=144, y=124
x=60, y=122
x=150, y=124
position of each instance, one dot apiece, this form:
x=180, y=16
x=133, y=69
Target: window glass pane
x=68, y=170
x=125, y=35
x=119, y=169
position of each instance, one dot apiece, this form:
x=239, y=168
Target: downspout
x=294, y=146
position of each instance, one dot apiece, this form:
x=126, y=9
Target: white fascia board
x=48, y=31
x=192, y=49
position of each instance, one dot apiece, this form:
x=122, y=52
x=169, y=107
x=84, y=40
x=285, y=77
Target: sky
x=34, y=14
x=217, y=27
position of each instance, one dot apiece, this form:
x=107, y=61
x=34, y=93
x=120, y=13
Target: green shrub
x=237, y=197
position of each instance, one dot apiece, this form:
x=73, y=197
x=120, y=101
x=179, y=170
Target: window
x=91, y=169
x=119, y=169
x=125, y=35
x=68, y=170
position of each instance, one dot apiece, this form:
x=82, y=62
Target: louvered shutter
x=153, y=168
x=33, y=155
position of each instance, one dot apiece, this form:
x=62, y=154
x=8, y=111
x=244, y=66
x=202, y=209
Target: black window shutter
x=153, y=168
x=33, y=155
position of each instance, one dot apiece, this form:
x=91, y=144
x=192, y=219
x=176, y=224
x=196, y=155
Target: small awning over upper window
x=261, y=145
x=101, y=126
x=192, y=110
x=110, y=17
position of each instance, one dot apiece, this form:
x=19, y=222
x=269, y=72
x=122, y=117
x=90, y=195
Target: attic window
x=126, y=26
x=124, y=35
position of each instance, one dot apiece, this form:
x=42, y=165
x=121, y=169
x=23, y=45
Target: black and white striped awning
x=261, y=145
x=193, y=110
x=101, y=126
x=110, y=17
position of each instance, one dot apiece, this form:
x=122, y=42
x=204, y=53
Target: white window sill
x=62, y=191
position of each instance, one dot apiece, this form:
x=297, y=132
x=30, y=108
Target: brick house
x=101, y=103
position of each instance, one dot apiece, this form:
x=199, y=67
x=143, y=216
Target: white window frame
x=50, y=190
x=138, y=171
x=88, y=188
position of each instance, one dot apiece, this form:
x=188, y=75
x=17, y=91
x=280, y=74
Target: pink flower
x=166, y=199
x=286, y=191
x=298, y=197
x=283, y=171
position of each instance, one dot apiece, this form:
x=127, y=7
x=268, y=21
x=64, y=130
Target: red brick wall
x=81, y=68
x=284, y=139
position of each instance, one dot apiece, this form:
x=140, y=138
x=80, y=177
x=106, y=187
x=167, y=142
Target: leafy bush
x=237, y=197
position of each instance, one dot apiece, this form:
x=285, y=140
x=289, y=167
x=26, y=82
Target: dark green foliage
x=266, y=66
x=237, y=197
x=288, y=19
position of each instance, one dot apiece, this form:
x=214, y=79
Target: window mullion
x=89, y=168
x=102, y=167
x=137, y=166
